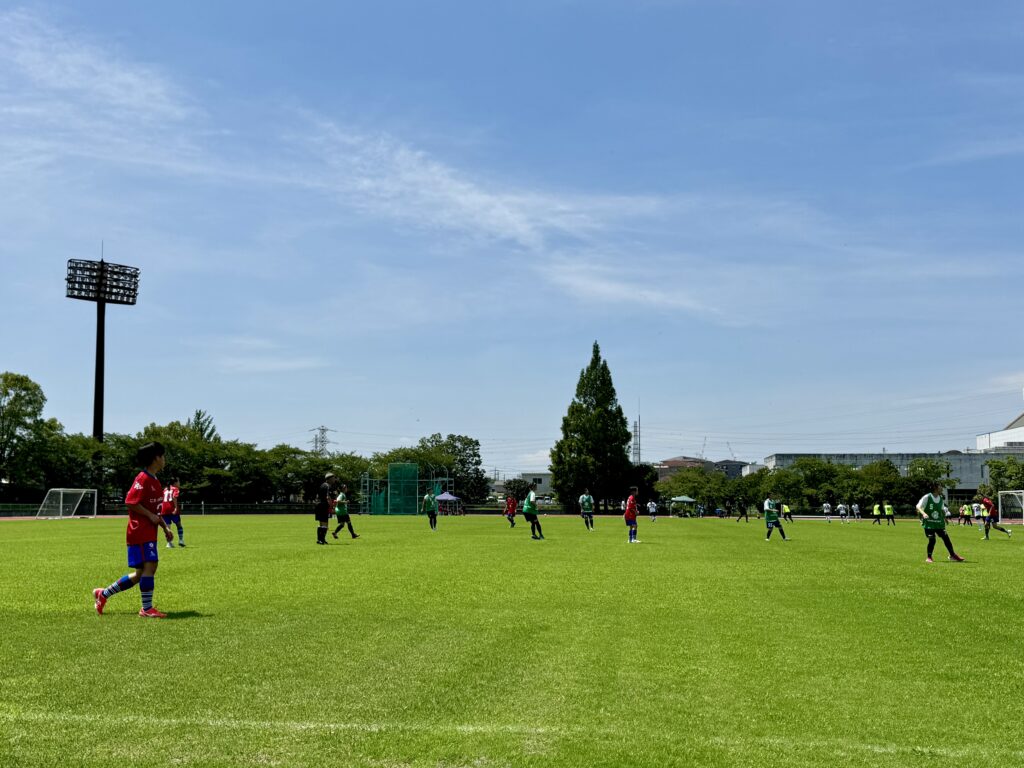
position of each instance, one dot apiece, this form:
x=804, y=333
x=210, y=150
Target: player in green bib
x=932, y=508
x=530, y=513
x=341, y=513
x=771, y=518
x=587, y=509
x=430, y=507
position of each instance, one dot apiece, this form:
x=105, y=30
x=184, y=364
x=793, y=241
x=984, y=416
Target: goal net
x=62, y=503
x=1011, y=506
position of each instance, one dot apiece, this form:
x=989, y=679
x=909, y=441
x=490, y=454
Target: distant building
x=1010, y=437
x=542, y=479
x=751, y=468
x=731, y=468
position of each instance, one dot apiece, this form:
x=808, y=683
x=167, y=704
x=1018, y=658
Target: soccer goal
x=1011, y=506
x=61, y=503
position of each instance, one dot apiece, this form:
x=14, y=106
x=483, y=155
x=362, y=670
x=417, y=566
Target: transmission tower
x=636, y=441
x=320, y=439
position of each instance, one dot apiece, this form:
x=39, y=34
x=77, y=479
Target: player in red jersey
x=143, y=501
x=992, y=517
x=630, y=515
x=510, y=509
x=170, y=511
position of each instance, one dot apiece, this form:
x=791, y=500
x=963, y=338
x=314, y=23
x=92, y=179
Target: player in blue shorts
x=171, y=511
x=143, y=501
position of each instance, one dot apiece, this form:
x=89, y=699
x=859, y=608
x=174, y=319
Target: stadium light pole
x=102, y=283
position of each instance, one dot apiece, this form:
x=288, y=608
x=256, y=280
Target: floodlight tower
x=104, y=284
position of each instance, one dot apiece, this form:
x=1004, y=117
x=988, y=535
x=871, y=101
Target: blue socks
x=122, y=584
x=146, y=585
x=181, y=535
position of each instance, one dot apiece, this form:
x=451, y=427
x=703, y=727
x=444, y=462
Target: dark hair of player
x=148, y=452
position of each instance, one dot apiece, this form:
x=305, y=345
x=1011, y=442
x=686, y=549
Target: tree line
x=36, y=453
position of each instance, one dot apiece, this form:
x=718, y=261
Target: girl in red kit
x=143, y=501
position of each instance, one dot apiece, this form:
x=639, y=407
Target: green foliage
x=517, y=487
x=1003, y=475
x=592, y=452
x=21, y=411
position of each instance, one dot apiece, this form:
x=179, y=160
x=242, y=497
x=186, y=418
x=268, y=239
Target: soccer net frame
x=1011, y=506
x=65, y=503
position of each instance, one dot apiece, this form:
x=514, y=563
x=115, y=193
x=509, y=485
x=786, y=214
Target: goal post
x=64, y=503
x=1011, y=507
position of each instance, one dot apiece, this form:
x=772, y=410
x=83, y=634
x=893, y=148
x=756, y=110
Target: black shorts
x=931, y=533
x=530, y=517
x=342, y=519
x=321, y=517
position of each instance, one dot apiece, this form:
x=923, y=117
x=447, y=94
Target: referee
x=322, y=509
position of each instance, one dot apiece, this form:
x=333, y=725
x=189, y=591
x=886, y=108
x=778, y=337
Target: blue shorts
x=176, y=519
x=142, y=553
x=630, y=523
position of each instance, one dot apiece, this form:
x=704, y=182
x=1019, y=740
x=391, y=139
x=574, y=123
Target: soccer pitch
x=475, y=646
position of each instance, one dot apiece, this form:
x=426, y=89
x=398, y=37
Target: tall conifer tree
x=593, y=451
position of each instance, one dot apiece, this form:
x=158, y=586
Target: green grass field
x=476, y=646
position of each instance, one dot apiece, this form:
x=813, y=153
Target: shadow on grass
x=186, y=615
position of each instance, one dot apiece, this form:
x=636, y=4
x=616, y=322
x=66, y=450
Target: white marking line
x=783, y=744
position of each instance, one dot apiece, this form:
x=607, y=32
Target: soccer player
x=743, y=511
x=652, y=510
x=341, y=513
x=630, y=515
x=826, y=509
x=992, y=521
x=530, y=513
x=429, y=506
x=510, y=510
x=322, y=507
x=877, y=513
x=844, y=513
x=890, y=514
x=965, y=515
x=771, y=518
x=586, y=502
x=856, y=511
x=931, y=507
x=170, y=512
x=979, y=514
x=786, y=513
x=143, y=502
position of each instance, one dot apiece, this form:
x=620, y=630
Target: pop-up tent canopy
x=449, y=497
x=680, y=499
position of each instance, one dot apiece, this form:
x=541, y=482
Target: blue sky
x=790, y=225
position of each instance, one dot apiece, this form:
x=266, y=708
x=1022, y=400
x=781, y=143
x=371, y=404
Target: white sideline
x=827, y=745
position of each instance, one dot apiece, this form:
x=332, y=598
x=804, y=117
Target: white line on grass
x=974, y=752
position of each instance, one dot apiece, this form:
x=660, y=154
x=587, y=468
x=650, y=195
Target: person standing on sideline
x=992, y=520
x=630, y=515
x=771, y=518
x=170, y=512
x=652, y=510
x=322, y=507
x=742, y=511
x=586, y=502
x=341, y=513
x=931, y=507
x=510, y=509
x=143, y=502
x=890, y=514
x=530, y=513
x=877, y=512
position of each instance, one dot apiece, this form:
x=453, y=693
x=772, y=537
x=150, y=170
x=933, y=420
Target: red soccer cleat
x=101, y=601
x=152, y=613
x=956, y=558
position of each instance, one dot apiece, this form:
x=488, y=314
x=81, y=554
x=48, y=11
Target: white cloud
x=539, y=460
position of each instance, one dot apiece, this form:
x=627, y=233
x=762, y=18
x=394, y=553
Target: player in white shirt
x=652, y=510
x=856, y=511
x=844, y=513
x=826, y=509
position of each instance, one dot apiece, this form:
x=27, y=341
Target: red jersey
x=510, y=506
x=989, y=507
x=147, y=492
x=170, y=506
x=631, y=508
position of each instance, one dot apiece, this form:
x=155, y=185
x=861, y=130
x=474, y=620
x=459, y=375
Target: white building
x=1012, y=436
